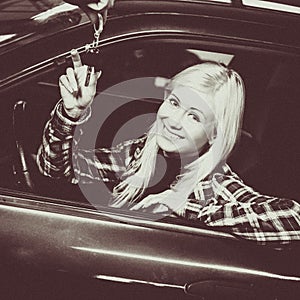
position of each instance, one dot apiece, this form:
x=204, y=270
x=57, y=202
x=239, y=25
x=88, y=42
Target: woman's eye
x=194, y=117
x=174, y=102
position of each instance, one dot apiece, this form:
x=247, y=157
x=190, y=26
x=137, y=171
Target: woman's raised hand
x=78, y=87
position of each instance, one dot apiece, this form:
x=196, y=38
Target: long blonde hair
x=227, y=90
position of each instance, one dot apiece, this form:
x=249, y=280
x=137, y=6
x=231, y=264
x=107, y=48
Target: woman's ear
x=211, y=141
x=212, y=138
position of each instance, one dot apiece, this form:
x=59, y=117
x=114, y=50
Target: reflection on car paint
x=189, y=263
x=130, y=280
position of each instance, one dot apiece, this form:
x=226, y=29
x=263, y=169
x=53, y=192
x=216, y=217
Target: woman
x=195, y=130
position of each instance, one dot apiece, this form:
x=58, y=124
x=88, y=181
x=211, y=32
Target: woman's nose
x=176, y=118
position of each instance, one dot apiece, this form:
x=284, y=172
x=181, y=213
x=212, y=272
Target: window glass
x=284, y=6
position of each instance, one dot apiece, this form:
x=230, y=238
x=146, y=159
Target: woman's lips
x=170, y=134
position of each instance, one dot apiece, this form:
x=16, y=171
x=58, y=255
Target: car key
x=93, y=47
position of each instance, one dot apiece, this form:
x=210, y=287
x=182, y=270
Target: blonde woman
x=196, y=128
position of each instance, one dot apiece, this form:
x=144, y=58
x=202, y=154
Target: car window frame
x=192, y=40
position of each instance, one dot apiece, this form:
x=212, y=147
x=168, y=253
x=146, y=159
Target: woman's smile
x=171, y=135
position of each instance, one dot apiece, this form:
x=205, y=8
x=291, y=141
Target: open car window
x=119, y=113
x=145, y=61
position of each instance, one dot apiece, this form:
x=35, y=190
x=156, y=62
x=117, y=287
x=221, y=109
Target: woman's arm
x=250, y=214
x=58, y=155
x=54, y=157
x=77, y=89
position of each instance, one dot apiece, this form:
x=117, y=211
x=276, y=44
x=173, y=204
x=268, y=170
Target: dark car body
x=56, y=245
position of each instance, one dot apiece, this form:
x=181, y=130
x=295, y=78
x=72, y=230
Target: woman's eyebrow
x=175, y=97
x=195, y=108
x=192, y=108
x=200, y=111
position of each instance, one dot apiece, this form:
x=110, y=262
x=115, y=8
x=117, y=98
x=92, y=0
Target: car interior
x=266, y=156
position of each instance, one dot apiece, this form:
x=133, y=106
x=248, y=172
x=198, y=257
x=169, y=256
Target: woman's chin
x=167, y=145
x=177, y=149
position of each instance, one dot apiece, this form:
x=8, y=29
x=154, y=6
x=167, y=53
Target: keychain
x=93, y=47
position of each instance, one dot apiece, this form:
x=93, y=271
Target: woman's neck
x=185, y=158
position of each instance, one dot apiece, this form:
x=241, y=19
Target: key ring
x=97, y=31
x=93, y=47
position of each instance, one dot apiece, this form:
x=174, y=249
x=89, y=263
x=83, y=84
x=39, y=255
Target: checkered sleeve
x=60, y=157
x=250, y=214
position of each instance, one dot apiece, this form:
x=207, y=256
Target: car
x=60, y=241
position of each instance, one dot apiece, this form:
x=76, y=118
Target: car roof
x=25, y=23
x=22, y=17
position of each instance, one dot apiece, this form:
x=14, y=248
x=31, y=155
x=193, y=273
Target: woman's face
x=185, y=121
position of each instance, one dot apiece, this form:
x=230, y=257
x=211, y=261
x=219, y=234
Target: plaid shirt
x=223, y=199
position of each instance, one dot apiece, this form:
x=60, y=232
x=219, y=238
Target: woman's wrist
x=72, y=114
x=68, y=120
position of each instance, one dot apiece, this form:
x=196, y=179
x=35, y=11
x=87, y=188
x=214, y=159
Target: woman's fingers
x=94, y=76
x=78, y=85
x=98, y=74
x=161, y=208
x=162, y=200
x=145, y=203
x=72, y=80
x=76, y=59
x=138, y=206
x=89, y=74
x=64, y=82
x=86, y=76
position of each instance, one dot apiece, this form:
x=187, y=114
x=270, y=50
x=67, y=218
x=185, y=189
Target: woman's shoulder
x=220, y=173
x=221, y=179
x=225, y=172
